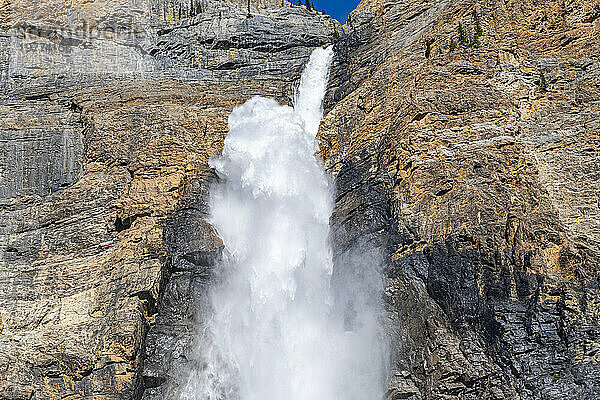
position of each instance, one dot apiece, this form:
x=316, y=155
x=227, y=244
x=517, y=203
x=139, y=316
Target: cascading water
x=275, y=332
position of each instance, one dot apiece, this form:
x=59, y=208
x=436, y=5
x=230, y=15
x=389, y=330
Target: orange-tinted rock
x=482, y=183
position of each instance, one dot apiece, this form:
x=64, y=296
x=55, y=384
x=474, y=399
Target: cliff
x=464, y=139
x=109, y=113
x=464, y=142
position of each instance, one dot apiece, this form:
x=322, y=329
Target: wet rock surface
x=485, y=145
x=194, y=247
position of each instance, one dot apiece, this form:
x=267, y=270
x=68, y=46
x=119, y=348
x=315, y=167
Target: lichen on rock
x=486, y=190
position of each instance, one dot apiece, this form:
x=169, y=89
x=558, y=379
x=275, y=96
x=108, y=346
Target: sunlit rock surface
x=482, y=184
x=109, y=113
x=477, y=182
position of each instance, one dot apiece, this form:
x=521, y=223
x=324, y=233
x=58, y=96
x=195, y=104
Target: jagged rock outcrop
x=109, y=112
x=464, y=139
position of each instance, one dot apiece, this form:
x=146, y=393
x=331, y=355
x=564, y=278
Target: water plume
x=275, y=331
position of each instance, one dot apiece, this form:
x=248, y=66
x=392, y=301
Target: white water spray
x=275, y=330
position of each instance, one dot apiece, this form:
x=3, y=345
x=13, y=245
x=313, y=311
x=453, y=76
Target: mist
x=283, y=325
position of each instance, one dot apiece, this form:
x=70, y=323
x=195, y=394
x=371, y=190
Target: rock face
x=465, y=142
x=109, y=112
x=464, y=139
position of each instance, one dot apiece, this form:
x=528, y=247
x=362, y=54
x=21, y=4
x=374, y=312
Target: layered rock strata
x=464, y=139
x=109, y=113
x=464, y=142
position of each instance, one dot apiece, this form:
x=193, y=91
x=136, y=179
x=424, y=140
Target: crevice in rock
x=202, y=258
x=149, y=302
x=37, y=97
x=419, y=116
x=443, y=191
x=122, y=224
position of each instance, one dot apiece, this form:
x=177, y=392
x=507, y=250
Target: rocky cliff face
x=464, y=139
x=109, y=113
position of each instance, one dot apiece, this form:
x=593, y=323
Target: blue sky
x=338, y=9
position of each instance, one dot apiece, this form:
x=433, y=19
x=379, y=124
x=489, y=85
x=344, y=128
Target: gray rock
x=109, y=112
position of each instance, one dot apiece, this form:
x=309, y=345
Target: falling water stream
x=275, y=332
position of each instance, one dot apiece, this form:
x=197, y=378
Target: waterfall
x=275, y=332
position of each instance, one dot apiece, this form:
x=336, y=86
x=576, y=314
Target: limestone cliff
x=108, y=114
x=464, y=138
